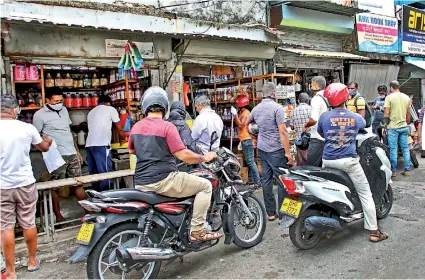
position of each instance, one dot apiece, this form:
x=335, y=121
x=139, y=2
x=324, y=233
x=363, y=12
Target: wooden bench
x=47, y=187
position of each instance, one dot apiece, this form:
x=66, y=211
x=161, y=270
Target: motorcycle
x=132, y=232
x=323, y=201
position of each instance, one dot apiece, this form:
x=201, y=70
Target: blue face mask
x=352, y=92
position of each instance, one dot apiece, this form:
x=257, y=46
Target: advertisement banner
x=115, y=48
x=378, y=34
x=413, y=31
x=381, y=7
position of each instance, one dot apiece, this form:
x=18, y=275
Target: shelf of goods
x=81, y=86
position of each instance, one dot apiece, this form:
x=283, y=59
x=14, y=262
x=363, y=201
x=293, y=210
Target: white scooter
x=323, y=200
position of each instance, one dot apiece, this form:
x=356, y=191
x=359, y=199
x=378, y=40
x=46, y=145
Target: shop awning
x=330, y=6
x=145, y=22
x=324, y=54
x=417, y=63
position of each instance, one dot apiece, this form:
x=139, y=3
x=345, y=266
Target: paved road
x=347, y=255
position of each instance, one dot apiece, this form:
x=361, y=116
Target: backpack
x=326, y=102
x=368, y=115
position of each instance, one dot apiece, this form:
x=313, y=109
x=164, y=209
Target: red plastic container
x=86, y=101
x=77, y=101
x=94, y=100
x=68, y=101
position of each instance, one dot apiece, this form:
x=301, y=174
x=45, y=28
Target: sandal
x=378, y=236
x=272, y=218
x=204, y=235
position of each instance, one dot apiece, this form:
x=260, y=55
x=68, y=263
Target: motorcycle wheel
x=95, y=260
x=238, y=217
x=386, y=204
x=300, y=237
x=413, y=159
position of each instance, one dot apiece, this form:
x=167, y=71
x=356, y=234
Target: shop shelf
x=80, y=108
x=28, y=82
x=73, y=89
x=30, y=108
x=120, y=83
x=229, y=82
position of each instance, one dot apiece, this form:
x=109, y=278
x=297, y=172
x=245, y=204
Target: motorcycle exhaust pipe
x=322, y=224
x=129, y=255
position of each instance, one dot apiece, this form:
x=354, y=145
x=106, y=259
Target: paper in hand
x=53, y=158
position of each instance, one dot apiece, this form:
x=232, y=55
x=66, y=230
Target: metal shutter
x=370, y=76
x=412, y=87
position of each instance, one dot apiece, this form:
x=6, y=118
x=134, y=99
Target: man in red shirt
x=156, y=142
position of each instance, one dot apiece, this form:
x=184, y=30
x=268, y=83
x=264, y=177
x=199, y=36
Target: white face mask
x=56, y=107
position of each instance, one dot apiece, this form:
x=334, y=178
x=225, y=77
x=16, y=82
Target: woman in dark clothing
x=178, y=118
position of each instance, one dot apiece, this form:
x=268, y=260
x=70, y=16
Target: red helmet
x=242, y=101
x=336, y=94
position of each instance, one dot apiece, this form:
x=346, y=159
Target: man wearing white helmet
x=156, y=142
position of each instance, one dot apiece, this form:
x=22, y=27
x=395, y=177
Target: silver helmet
x=154, y=96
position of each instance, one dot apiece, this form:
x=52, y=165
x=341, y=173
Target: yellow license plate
x=85, y=234
x=291, y=207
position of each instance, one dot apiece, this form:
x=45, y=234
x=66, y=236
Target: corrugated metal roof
x=118, y=20
x=417, y=63
x=316, y=53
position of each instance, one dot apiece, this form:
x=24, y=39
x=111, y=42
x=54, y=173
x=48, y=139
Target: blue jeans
x=99, y=160
x=397, y=137
x=270, y=163
x=248, y=153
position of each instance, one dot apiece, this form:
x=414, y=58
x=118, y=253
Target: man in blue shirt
x=340, y=127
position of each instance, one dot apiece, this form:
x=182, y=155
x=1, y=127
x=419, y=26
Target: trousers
x=270, y=163
x=182, y=184
x=315, y=152
x=99, y=160
x=248, y=153
x=396, y=137
x=354, y=170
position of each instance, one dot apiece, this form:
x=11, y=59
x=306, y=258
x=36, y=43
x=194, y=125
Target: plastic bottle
x=68, y=101
x=86, y=101
x=77, y=101
x=81, y=138
x=19, y=73
x=94, y=100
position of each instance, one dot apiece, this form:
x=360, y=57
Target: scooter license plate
x=291, y=207
x=85, y=234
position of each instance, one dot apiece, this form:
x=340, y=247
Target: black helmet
x=253, y=129
x=154, y=96
x=303, y=142
x=382, y=88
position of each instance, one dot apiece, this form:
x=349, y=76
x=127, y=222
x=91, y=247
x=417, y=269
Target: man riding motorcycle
x=340, y=127
x=156, y=142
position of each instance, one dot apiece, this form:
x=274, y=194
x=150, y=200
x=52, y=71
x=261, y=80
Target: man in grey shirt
x=273, y=146
x=53, y=121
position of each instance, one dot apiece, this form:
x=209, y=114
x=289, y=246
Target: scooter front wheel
x=300, y=236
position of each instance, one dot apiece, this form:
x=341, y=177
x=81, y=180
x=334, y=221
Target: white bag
x=240, y=146
x=52, y=158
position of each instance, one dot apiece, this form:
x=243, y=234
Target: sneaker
x=405, y=173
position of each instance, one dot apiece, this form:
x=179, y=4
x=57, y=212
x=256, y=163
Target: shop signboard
x=115, y=48
x=376, y=33
x=285, y=91
x=413, y=31
x=381, y=7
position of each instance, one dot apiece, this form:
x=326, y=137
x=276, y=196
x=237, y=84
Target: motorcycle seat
x=330, y=174
x=137, y=195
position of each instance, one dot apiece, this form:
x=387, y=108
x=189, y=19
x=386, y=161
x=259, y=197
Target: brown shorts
x=18, y=203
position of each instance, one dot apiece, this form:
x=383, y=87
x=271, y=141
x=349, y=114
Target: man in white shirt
x=98, y=144
x=318, y=106
x=205, y=124
x=17, y=189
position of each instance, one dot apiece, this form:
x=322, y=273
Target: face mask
x=55, y=107
x=352, y=92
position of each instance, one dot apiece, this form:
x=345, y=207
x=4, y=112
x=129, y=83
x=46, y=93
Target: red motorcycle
x=133, y=232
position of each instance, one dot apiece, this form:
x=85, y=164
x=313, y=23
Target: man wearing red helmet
x=340, y=127
x=242, y=102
